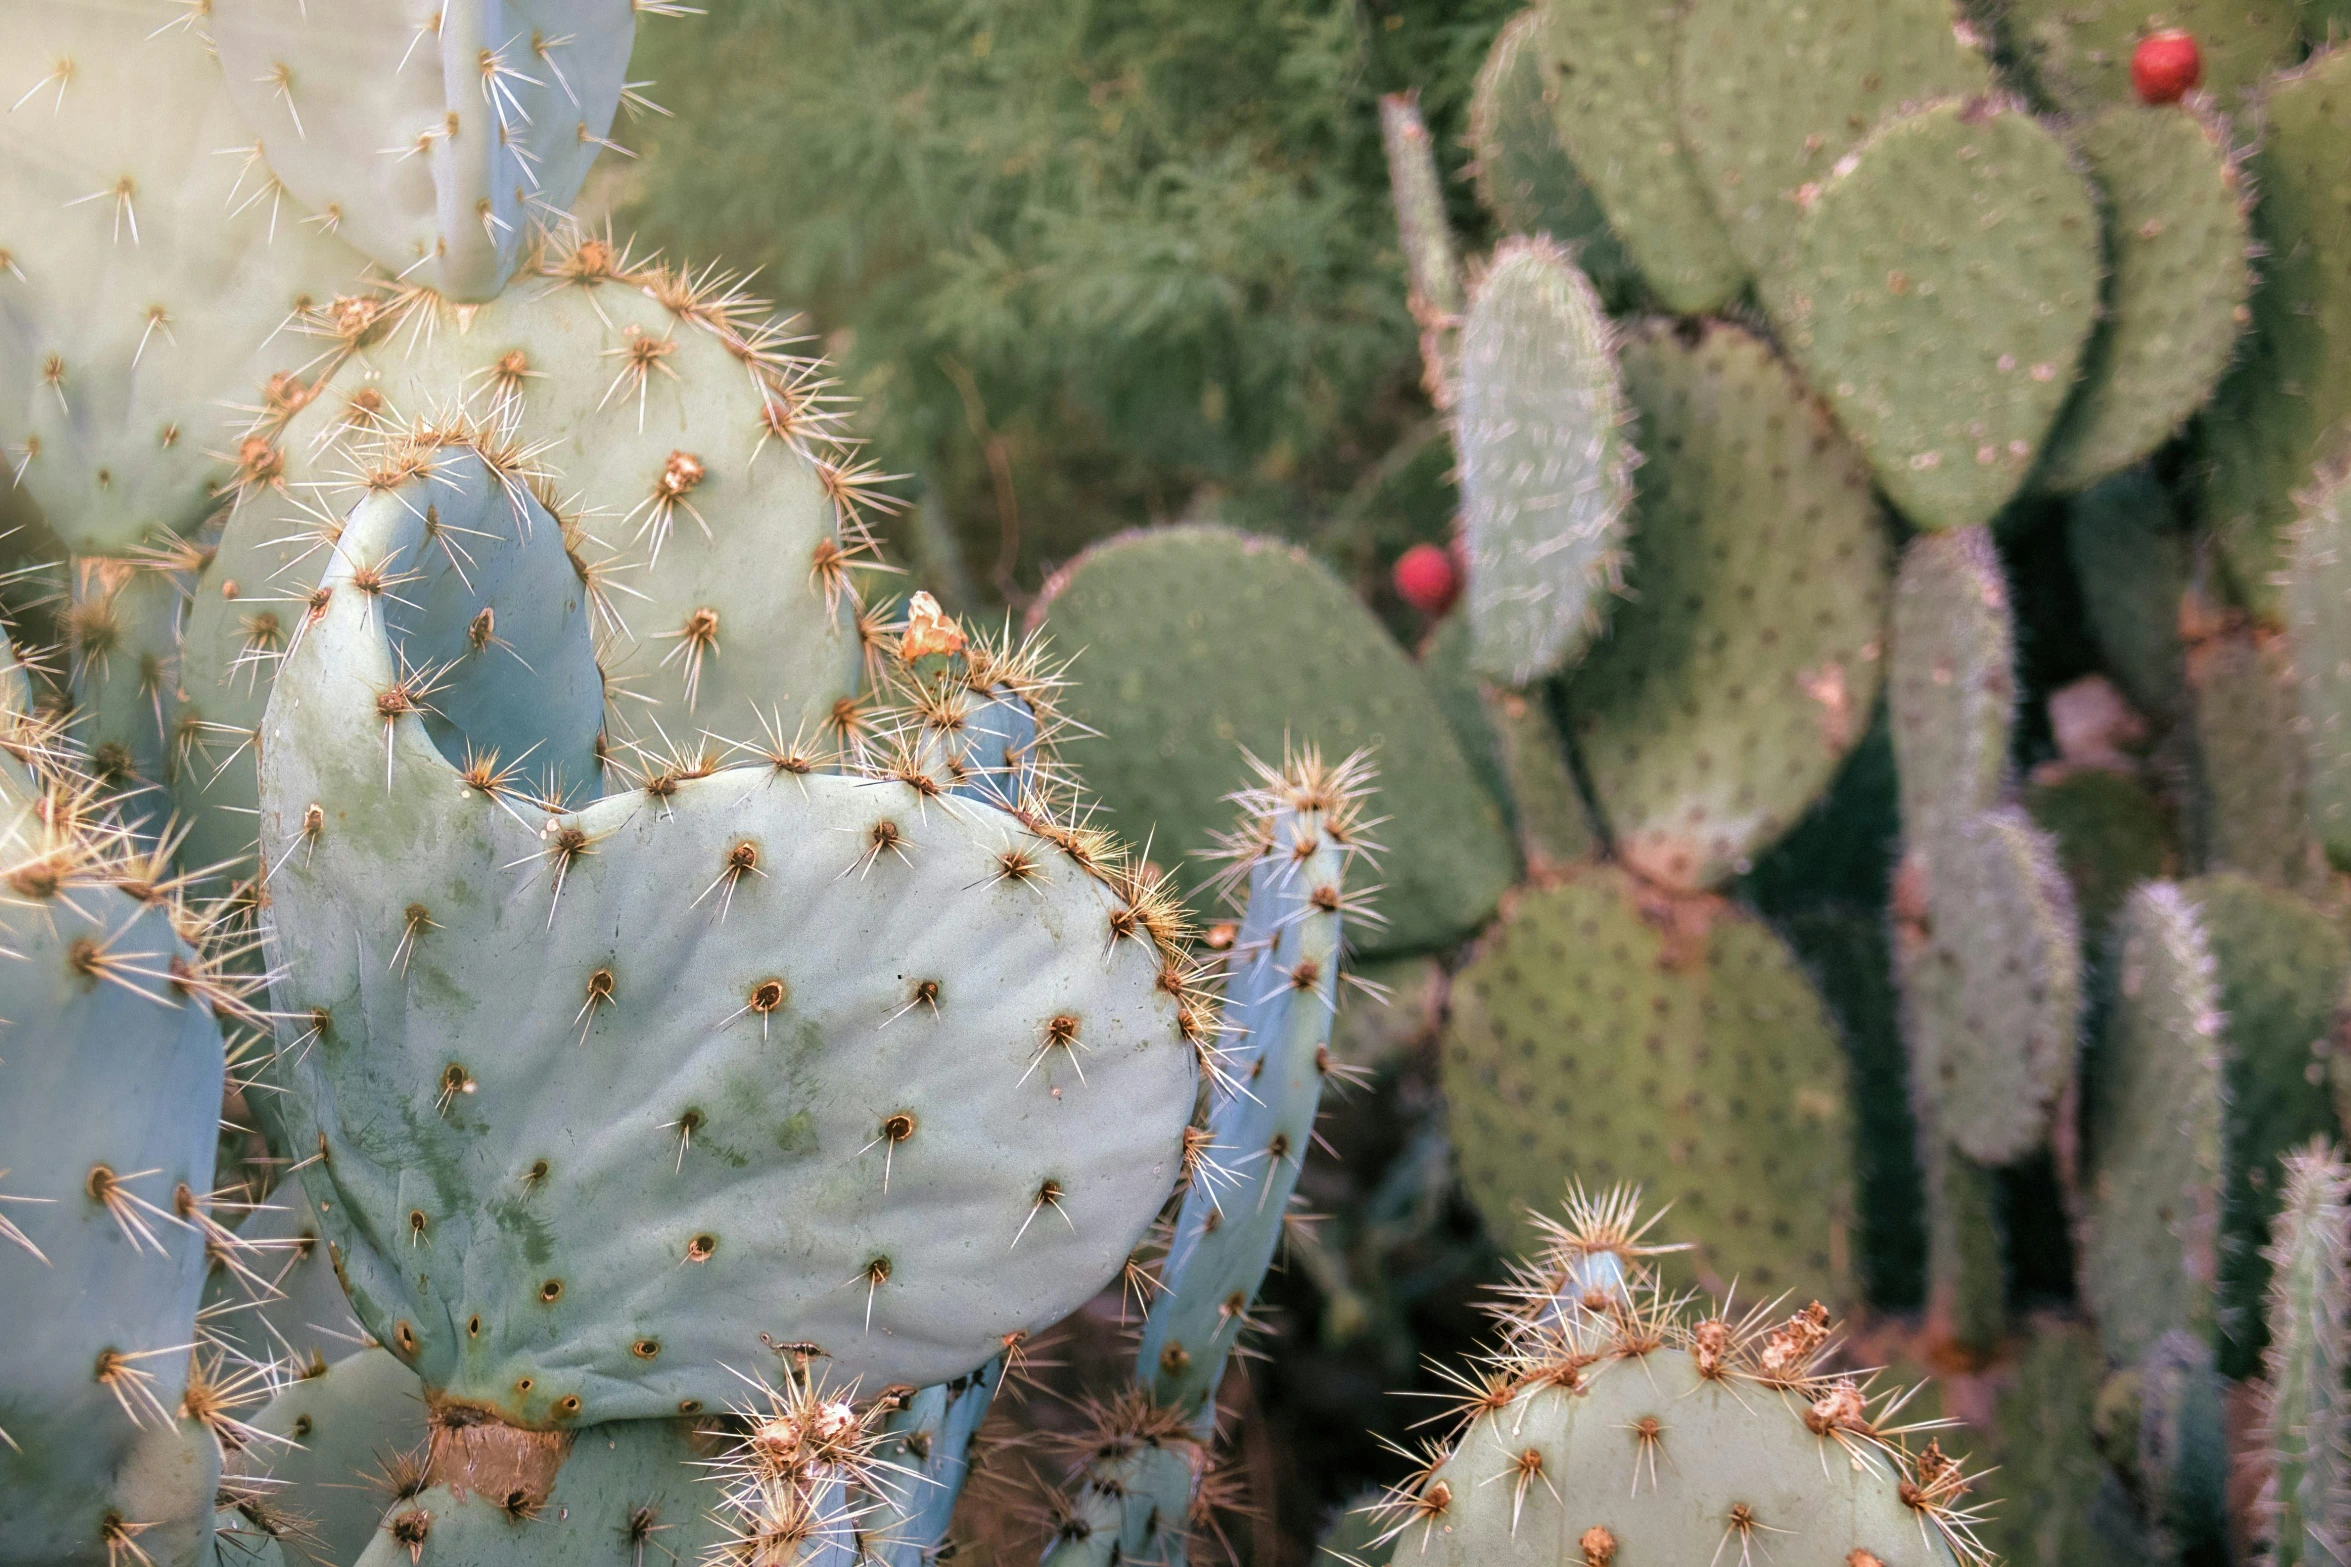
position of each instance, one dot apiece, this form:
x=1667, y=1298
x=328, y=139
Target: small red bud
x=2166, y=65
x=1427, y=579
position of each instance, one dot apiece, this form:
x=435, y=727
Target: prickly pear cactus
x=1952, y=689
x=1734, y=683
x=1609, y=1032
x=1938, y=291
x=1170, y=620
x=1614, y=114
x=2079, y=51
x=2276, y=415
x=2131, y=555
x=1524, y=177
x=1772, y=96
x=2183, y=1458
x=2157, y=1128
x=1631, y=1433
x=341, y=1447
x=2179, y=245
x=148, y=278
x=2305, y=1429
x=1546, y=463
x=2318, y=599
x=950, y=1040
x=2251, y=808
x=440, y=142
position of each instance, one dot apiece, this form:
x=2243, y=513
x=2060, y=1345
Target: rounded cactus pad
x=1191, y=645
x=1940, y=286
x=340, y=1447
x=1991, y=975
x=437, y=141
x=2318, y=601
x=1546, y=463
x=2157, y=1128
x=1734, y=682
x=1608, y=1032
x=147, y=276
x=1631, y=1429
x=2279, y=413
x=691, y=460
x=607, y=1102
x=1772, y=96
x=2179, y=241
x=1613, y=108
x=1952, y=692
x=2079, y=51
x=1524, y=176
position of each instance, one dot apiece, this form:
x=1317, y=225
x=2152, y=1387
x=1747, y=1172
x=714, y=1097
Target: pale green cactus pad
x=1991, y=984
x=561, y=1070
x=439, y=141
x=1546, y=463
x=1732, y=685
x=1940, y=286
x=2157, y=1129
x=122, y=631
x=1952, y=690
x=2304, y=1513
x=2277, y=415
x=2251, y=806
x=1636, y=1438
x=2079, y=51
x=1613, y=108
x=350, y=1444
x=2318, y=600
x=1772, y=96
x=1524, y=176
x=1190, y=645
x=693, y=466
x=150, y=280
x=1607, y=1032
x=2178, y=232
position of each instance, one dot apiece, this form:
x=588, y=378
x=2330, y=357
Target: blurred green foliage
x=1090, y=263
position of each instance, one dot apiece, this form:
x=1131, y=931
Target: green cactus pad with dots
x=2131, y=556
x=343, y=1443
x=1612, y=104
x=1938, y=292
x=2318, y=605
x=2180, y=269
x=147, y=279
x=2110, y=833
x=441, y=143
x=1649, y=1457
x=1192, y=644
x=2251, y=805
x=1742, y=671
x=1992, y=984
x=2054, y=1502
x=2303, y=1514
x=561, y=1071
x=1524, y=177
x=1546, y=463
x=2078, y=52
x=2157, y=1132
x=2284, y=968
x=1952, y=687
x=1606, y=1032
x=122, y=627
x=623, y=1493
x=2281, y=411
x=660, y=427
x=1772, y=96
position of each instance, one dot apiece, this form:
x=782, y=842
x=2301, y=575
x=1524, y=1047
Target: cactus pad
x=2054, y=1501
x=2304, y=1512
x=2079, y=51
x=1940, y=286
x=1524, y=176
x=2110, y=834
x=2130, y=555
x=1952, y=689
x=1731, y=687
x=1192, y=644
x=2318, y=600
x=148, y=278
x=350, y=1439
x=1772, y=96
x=1606, y=1032
x=1546, y=463
x=2277, y=415
x=439, y=143
x=2178, y=238
x=2252, y=806
x=897, y=1017
x=2157, y=1130
x=1613, y=108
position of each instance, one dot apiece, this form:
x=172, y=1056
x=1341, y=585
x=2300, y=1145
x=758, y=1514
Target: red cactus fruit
x=2165, y=65
x=1427, y=578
